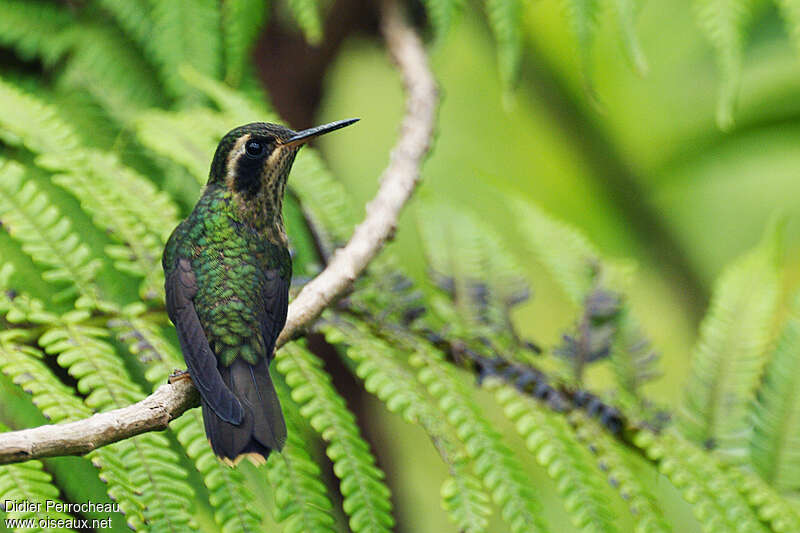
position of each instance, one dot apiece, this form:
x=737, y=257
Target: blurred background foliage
x=555, y=102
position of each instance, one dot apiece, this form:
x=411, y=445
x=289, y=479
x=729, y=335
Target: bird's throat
x=262, y=213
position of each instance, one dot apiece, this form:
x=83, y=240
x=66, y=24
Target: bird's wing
x=275, y=296
x=181, y=286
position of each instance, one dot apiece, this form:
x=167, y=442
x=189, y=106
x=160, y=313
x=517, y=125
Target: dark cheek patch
x=248, y=175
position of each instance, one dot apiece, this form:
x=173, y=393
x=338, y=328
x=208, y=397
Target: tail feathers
x=262, y=429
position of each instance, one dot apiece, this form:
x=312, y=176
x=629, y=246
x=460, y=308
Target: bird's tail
x=262, y=429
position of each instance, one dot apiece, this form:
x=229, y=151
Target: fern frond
x=241, y=24
x=185, y=32
x=568, y=255
x=633, y=360
x=626, y=15
x=25, y=366
x=505, y=19
x=133, y=212
x=383, y=376
x=235, y=105
x=464, y=500
x=132, y=16
x=107, y=66
x=576, y=265
x=324, y=197
x=500, y=472
x=583, y=15
x=234, y=510
x=484, y=279
x=556, y=449
x=20, y=308
x=25, y=120
x=366, y=497
x=121, y=201
x=301, y=500
x=186, y=138
x=730, y=355
x=703, y=482
x=770, y=507
x=442, y=14
x=775, y=446
x=616, y=463
x=59, y=403
x=35, y=29
x=233, y=503
x=151, y=465
x=308, y=17
x=28, y=482
x=396, y=386
x=97, y=59
x=724, y=22
x=47, y=236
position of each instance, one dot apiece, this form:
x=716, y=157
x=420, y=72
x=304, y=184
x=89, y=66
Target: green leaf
x=568, y=255
x=556, y=449
x=378, y=364
x=495, y=465
x=583, y=15
x=775, y=446
x=120, y=201
x=442, y=14
x=366, y=497
x=718, y=500
x=29, y=217
x=242, y=21
x=185, y=32
x=35, y=29
x=622, y=472
x=725, y=22
x=730, y=355
x=25, y=366
x=30, y=486
x=301, y=499
x=505, y=19
x=626, y=18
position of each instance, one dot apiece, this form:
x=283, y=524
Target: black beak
x=302, y=137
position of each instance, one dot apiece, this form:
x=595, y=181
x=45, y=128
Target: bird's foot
x=178, y=375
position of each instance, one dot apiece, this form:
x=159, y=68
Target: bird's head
x=256, y=158
x=253, y=162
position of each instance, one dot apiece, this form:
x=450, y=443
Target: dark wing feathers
x=181, y=286
x=275, y=298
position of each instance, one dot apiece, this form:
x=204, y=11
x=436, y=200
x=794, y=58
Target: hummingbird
x=227, y=273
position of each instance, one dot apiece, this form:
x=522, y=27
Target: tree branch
x=398, y=182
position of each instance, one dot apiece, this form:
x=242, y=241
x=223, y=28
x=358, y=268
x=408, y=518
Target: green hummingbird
x=228, y=270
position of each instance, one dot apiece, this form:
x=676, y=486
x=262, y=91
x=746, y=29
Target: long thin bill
x=306, y=135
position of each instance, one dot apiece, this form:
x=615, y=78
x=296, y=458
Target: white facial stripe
x=233, y=156
x=273, y=157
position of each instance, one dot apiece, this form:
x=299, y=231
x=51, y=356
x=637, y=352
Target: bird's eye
x=255, y=148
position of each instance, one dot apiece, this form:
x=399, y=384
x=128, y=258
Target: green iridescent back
x=235, y=268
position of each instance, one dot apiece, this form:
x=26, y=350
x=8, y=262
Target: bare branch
x=397, y=184
x=82, y=436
